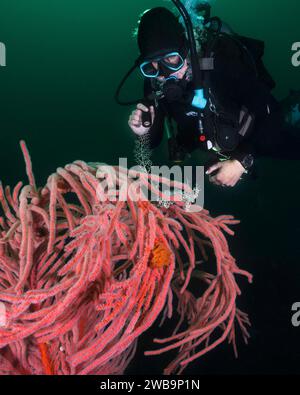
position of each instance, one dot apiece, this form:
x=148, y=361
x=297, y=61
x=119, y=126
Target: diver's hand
x=135, y=120
x=229, y=173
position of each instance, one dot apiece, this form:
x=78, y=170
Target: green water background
x=64, y=61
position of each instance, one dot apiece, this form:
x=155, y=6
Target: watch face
x=248, y=161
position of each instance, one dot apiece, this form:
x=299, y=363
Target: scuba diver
x=234, y=116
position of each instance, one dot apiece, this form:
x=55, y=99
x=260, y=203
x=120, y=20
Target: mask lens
x=148, y=70
x=173, y=62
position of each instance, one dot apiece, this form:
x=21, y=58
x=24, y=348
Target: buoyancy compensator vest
x=226, y=123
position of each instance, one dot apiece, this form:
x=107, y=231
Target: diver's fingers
x=215, y=181
x=214, y=168
x=137, y=116
x=133, y=122
x=136, y=119
x=142, y=107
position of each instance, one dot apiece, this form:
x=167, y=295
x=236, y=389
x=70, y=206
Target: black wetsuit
x=234, y=84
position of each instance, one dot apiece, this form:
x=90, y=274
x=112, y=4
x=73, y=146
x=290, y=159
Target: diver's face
x=178, y=74
x=170, y=59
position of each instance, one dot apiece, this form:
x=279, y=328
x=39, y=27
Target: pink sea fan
x=82, y=278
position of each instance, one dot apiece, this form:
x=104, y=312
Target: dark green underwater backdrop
x=64, y=61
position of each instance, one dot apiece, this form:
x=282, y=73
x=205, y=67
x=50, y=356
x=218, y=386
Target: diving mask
x=162, y=65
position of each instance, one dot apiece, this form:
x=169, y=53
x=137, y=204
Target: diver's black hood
x=160, y=32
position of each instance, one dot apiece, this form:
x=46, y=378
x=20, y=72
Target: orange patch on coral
x=47, y=364
x=160, y=256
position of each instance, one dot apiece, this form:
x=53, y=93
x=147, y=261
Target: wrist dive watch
x=247, y=162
